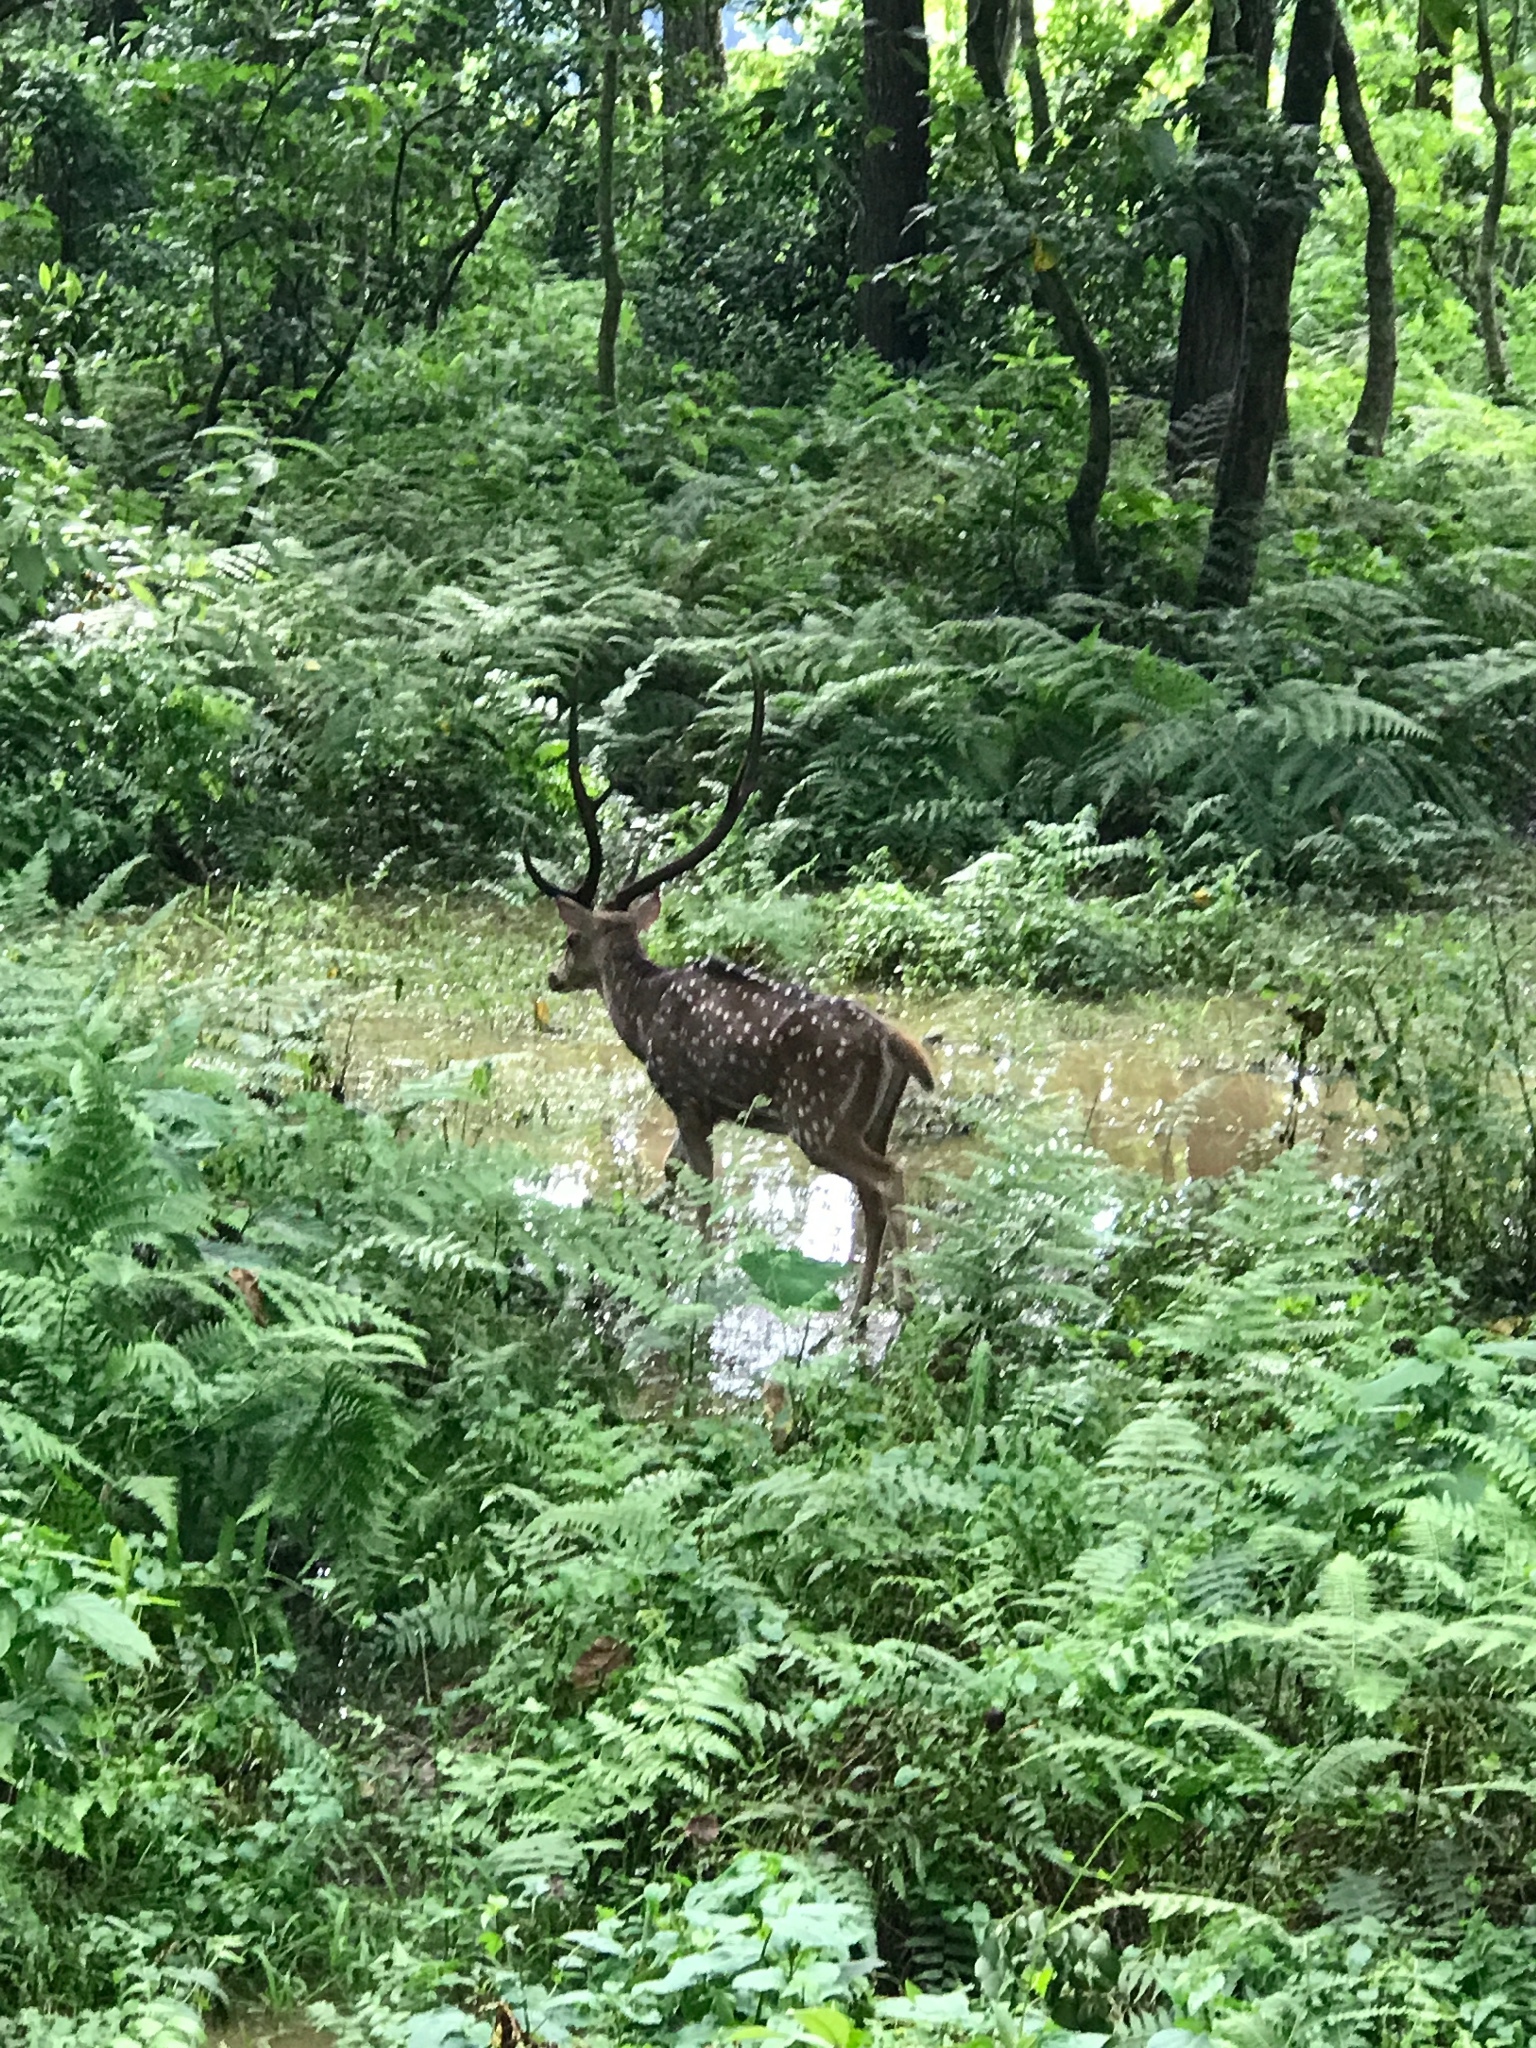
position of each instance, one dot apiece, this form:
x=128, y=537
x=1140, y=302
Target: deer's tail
x=910, y=1057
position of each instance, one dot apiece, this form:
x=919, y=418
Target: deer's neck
x=631, y=988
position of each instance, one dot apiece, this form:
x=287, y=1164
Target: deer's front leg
x=691, y=1148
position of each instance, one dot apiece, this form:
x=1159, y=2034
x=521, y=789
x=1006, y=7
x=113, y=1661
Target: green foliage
x=1155, y=1624
x=401, y=1608
x=1044, y=911
x=789, y=1280
x=1431, y=1028
x=702, y=1959
x=351, y=662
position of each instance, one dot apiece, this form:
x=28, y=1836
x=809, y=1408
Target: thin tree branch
x=459, y=251
x=607, y=243
x=1054, y=295
x=1373, y=415
x=1485, y=286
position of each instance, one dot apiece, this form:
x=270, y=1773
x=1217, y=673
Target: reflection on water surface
x=1186, y=1091
x=1192, y=1093
x=1169, y=1087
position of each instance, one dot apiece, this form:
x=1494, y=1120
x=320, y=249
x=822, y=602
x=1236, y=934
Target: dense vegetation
x=1104, y=435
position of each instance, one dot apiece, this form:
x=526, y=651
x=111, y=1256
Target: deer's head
x=600, y=936
x=598, y=940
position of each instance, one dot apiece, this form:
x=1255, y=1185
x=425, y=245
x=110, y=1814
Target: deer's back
x=725, y=1037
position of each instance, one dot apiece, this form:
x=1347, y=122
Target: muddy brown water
x=435, y=1009
x=1172, y=1090
x=438, y=1017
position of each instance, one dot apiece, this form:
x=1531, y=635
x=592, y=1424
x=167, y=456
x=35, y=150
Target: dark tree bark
x=1081, y=344
x=617, y=21
x=1433, y=79
x=893, y=175
x=1210, y=345
x=692, y=52
x=991, y=35
x=1051, y=291
x=692, y=66
x=1256, y=42
x=1216, y=275
x=1373, y=415
x=1258, y=404
x=1485, y=280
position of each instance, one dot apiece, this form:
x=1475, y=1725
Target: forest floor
x=467, y=1535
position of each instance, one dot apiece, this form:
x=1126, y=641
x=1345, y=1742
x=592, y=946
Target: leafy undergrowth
x=1051, y=911
x=395, y=1620
x=334, y=666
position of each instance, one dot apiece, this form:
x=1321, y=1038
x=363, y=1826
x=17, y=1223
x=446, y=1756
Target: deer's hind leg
x=839, y=1095
x=692, y=1148
x=875, y=1222
x=882, y=1211
x=877, y=1182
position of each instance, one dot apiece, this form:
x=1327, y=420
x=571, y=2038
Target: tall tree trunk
x=692, y=66
x=991, y=34
x=893, y=179
x=1216, y=275
x=692, y=52
x=1210, y=346
x=1258, y=405
x=1486, y=280
x=617, y=20
x=1435, y=76
x=1373, y=415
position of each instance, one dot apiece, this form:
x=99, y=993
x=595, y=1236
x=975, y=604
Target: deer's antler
x=586, y=809
x=735, y=804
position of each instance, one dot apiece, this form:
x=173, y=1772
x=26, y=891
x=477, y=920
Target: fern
x=682, y=1726
x=1337, y=1774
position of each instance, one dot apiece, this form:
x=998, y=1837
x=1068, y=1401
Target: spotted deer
x=723, y=1044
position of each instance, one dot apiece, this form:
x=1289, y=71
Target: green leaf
x=1337, y=1773
x=1373, y=1692
x=1344, y=1589
x=29, y=565
x=103, y=1625
x=828, y=2023
x=789, y=1280
x=1387, y=1390
x=157, y=1493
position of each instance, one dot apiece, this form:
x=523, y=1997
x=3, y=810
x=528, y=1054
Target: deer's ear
x=646, y=911
x=576, y=916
